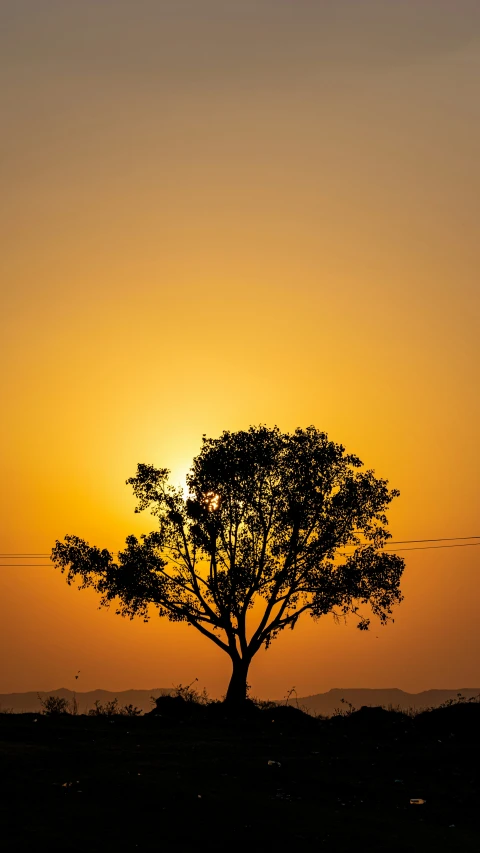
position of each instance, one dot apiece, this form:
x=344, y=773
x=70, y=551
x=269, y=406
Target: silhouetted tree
x=274, y=525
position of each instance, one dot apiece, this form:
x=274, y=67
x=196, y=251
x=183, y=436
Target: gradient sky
x=218, y=213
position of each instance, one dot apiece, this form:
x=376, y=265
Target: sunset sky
x=218, y=213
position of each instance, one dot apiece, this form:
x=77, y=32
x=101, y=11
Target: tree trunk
x=237, y=689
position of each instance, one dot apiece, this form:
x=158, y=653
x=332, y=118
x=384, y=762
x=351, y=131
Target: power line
x=434, y=547
x=386, y=550
x=389, y=542
x=36, y=556
x=442, y=539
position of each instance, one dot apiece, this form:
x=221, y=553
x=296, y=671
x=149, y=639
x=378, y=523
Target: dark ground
x=158, y=782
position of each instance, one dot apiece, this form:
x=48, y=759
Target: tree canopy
x=272, y=525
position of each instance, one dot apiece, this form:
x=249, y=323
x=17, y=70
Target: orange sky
x=222, y=213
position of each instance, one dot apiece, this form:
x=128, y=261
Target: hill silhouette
x=30, y=702
x=320, y=703
x=327, y=703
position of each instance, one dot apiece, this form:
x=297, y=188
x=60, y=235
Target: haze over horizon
x=222, y=213
x=327, y=704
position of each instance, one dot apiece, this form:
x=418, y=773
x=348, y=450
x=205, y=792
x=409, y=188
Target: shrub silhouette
x=54, y=706
x=111, y=709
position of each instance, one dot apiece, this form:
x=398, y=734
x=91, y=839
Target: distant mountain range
x=327, y=703
x=320, y=703
x=30, y=702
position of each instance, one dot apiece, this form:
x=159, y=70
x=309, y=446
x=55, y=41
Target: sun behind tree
x=266, y=522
